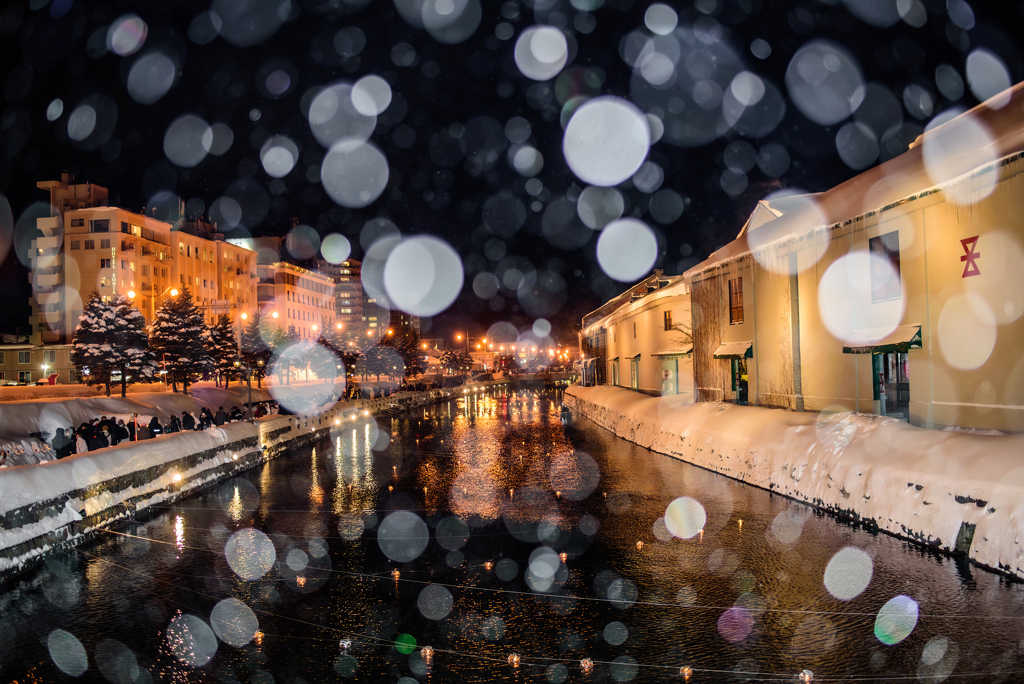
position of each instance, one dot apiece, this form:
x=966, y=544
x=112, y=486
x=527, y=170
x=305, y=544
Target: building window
x=735, y=301
x=634, y=372
x=634, y=330
x=99, y=226
x=668, y=320
x=90, y=244
x=50, y=356
x=103, y=282
x=3, y=376
x=78, y=223
x=24, y=357
x=106, y=263
x=145, y=269
x=105, y=244
x=124, y=228
x=72, y=376
x=885, y=267
x=76, y=244
x=124, y=264
x=3, y=360
x=24, y=376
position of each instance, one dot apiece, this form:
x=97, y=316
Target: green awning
x=881, y=340
x=735, y=350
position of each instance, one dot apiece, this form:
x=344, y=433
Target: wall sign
x=970, y=257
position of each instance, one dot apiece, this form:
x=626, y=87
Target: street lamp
x=248, y=377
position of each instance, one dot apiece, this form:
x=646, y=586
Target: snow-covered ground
x=912, y=482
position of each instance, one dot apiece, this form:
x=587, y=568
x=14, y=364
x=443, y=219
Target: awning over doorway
x=735, y=350
x=876, y=341
x=678, y=351
x=631, y=358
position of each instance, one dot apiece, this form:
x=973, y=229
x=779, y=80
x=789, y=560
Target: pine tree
x=255, y=350
x=110, y=344
x=449, y=359
x=90, y=347
x=176, y=337
x=408, y=347
x=324, y=361
x=137, y=362
x=222, y=347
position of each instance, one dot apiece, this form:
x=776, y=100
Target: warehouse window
x=885, y=266
x=735, y=301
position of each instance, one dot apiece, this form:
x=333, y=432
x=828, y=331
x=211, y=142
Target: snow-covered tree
x=110, y=344
x=408, y=347
x=176, y=337
x=449, y=359
x=324, y=361
x=223, y=348
x=255, y=350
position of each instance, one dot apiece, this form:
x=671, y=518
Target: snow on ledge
x=915, y=483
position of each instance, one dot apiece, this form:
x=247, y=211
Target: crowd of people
x=110, y=430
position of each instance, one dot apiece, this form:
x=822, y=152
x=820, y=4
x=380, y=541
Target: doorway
x=892, y=384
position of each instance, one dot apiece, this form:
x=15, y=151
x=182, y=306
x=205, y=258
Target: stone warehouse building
x=898, y=292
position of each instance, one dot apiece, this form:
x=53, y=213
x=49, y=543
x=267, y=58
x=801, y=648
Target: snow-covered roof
x=900, y=178
x=773, y=207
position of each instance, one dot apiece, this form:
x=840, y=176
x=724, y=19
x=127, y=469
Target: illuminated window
x=668, y=320
x=735, y=301
x=885, y=281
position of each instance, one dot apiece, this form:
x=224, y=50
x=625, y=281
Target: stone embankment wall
x=50, y=507
x=954, y=492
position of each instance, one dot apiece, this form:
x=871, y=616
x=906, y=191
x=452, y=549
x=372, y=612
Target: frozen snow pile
x=932, y=486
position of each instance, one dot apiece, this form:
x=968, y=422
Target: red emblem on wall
x=970, y=257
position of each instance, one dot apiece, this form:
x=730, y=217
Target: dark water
x=472, y=502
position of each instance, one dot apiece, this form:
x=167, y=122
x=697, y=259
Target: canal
x=484, y=541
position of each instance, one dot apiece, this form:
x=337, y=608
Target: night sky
x=461, y=111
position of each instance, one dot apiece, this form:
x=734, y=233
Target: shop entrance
x=892, y=384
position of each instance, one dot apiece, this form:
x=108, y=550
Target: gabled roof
x=901, y=178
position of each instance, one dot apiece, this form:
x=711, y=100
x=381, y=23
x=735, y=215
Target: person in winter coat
x=59, y=442
x=235, y=414
x=154, y=427
x=175, y=424
x=142, y=432
x=80, y=445
x=188, y=421
x=220, y=418
x=122, y=432
x=133, y=427
x=205, y=418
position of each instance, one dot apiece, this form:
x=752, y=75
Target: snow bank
x=934, y=487
x=54, y=504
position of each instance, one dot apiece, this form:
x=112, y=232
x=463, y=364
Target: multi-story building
x=348, y=295
x=27, y=363
x=87, y=246
x=293, y=297
x=220, y=275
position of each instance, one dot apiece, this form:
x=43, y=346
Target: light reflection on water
x=525, y=538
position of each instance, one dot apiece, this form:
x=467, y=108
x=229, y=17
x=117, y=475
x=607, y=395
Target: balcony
x=49, y=243
x=47, y=280
x=127, y=246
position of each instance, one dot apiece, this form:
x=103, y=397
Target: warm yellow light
x=391, y=332
x=274, y=314
x=245, y=316
x=458, y=337
x=177, y=477
x=131, y=294
x=424, y=345
x=314, y=326
x=338, y=326
x=174, y=293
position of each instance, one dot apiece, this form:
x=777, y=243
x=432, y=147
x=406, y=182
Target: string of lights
x=655, y=604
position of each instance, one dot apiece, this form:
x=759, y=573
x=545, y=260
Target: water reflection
x=484, y=529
